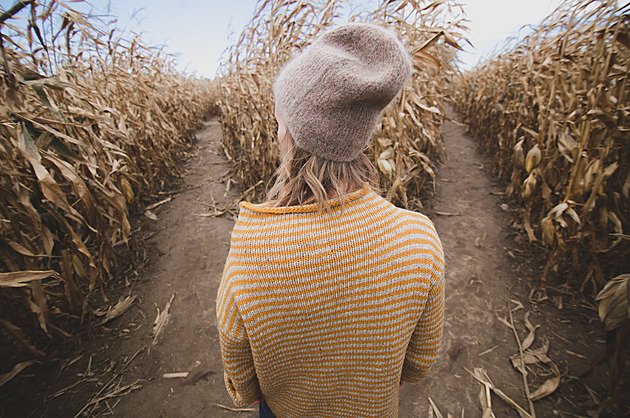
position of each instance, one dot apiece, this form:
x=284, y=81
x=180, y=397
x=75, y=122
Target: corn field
x=91, y=124
x=407, y=142
x=554, y=107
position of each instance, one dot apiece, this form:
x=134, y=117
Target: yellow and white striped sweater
x=324, y=314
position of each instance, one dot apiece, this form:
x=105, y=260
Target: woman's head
x=328, y=102
x=332, y=95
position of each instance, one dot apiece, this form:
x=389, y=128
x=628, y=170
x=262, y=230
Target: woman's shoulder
x=419, y=221
x=416, y=216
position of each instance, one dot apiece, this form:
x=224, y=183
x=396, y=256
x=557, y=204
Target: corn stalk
x=91, y=123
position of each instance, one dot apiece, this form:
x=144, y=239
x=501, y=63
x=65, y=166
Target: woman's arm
x=238, y=363
x=239, y=372
x=426, y=339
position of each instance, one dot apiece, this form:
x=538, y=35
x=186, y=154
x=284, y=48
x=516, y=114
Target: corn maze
x=91, y=123
x=554, y=108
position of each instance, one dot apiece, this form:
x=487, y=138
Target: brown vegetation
x=554, y=107
x=90, y=123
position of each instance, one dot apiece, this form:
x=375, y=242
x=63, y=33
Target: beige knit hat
x=331, y=96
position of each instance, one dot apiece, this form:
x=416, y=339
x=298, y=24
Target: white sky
x=198, y=31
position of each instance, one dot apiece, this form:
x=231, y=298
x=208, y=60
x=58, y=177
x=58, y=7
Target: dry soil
x=121, y=371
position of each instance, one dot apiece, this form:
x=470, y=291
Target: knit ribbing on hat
x=332, y=95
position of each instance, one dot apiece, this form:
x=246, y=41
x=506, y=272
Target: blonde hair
x=305, y=178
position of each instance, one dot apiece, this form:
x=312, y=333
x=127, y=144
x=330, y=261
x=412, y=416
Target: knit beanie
x=331, y=96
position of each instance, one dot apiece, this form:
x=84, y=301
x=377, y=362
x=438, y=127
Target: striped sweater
x=324, y=314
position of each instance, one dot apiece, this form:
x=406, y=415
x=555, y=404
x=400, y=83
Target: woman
x=331, y=297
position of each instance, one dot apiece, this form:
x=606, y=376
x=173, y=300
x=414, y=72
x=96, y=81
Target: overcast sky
x=198, y=31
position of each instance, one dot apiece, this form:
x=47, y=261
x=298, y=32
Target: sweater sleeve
x=238, y=363
x=426, y=339
x=239, y=373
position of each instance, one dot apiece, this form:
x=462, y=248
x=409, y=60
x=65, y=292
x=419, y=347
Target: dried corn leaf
x=120, y=308
x=433, y=409
x=529, y=340
x=161, y=320
x=23, y=278
x=614, y=302
x=548, y=387
x=533, y=356
x=482, y=377
x=39, y=304
x=4, y=378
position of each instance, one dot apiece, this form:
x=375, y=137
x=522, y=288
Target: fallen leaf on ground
x=22, y=278
x=447, y=213
x=120, y=308
x=4, y=378
x=529, y=340
x=161, y=320
x=433, y=409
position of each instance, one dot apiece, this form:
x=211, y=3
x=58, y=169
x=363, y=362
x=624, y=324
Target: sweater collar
x=312, y=207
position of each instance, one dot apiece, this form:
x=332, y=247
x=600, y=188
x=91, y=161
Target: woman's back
x=319, y=310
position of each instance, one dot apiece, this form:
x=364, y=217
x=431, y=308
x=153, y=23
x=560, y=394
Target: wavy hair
x=305, y=178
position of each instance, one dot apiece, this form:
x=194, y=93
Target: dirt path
x=486, y=267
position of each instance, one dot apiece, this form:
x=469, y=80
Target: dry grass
x=408, y=140
x=91, y=123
